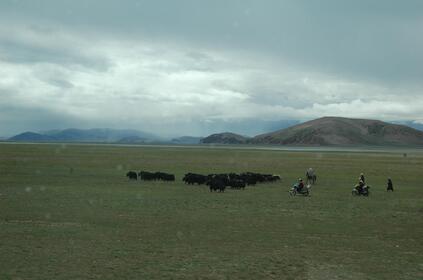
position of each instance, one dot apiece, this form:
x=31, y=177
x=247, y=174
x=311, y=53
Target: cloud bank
x=55, y=75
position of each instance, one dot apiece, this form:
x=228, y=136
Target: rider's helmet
x=300, y=179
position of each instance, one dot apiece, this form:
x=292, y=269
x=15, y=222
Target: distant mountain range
x=414, y=125
x=330, y=131
x=86, y=135
x=187, y=140
x=31, y=137
x=326, y=131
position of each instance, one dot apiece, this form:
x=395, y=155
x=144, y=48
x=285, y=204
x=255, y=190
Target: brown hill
x=225, y=138
x=342, y=132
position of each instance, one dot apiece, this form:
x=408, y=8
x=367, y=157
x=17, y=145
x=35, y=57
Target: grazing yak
x=251, y=178
x=154, y=176
x=192, y=178
x=146, y=176
x=131, y=175
x=237, y=184
x=164, y=176
x=216, y=184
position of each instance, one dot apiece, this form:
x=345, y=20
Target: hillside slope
x=225, y=138
x=342, y=132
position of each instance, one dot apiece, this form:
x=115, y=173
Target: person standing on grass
x=390, y=186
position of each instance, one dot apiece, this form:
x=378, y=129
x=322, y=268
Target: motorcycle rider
x=362, y=178
x=360, y=185
x=300, y=185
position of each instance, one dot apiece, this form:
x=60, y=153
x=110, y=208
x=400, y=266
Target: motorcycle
x=304, y=191
x=364, y=191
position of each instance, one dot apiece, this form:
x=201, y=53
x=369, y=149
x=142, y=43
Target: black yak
x=131, y=175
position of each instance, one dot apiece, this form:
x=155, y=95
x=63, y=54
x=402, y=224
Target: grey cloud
x=33, y=43
x=15, y=119
x=282, y=99
x=373, y=40
x=15, y=52
x=60, y=83
x=203, y=66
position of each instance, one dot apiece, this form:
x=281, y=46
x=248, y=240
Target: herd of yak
x=216, y=182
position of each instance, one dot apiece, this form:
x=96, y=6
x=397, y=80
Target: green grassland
x=69, y=212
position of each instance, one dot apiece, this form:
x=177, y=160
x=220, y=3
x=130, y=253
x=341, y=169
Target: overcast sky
x=192, y=67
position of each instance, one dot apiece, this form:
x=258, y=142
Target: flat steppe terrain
x=69, y=212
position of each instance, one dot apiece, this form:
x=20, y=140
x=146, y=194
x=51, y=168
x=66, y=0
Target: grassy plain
x=69, y=212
